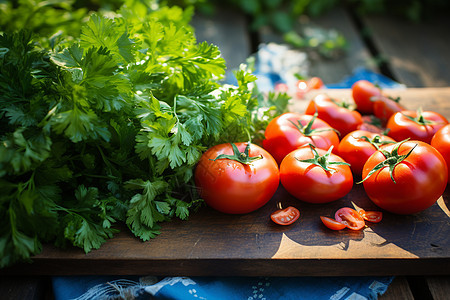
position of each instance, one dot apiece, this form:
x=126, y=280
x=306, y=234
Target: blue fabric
x=71, y=287
x=279, y=64
x=365, y=74
x=217, y=288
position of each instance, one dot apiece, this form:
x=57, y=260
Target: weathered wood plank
x=398, y=289
x=418, y=54
x=30, y=288
x=439, y=287
x=227, y=29
x=333, y=70
x=356, y=56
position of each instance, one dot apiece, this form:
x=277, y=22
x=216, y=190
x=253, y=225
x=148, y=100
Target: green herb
x=107, y=125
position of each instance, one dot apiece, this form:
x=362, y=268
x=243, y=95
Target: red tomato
x=371, y=216
x=415, y=125
x=372, y=124
x=290, y=131
x=315, y=83
x=363, y=92
x=332, y=223
x=304, y=86
x=384, y=107
x=233, y=186
x=405, y=178
x=285, y=216
x=337, y=114
x=315, y=175
x=301, y=88
x=357, y=146
x=350, y=218
x=441, y=141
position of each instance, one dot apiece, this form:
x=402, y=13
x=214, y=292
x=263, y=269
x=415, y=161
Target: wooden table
x=211, y=243
x=413, y=54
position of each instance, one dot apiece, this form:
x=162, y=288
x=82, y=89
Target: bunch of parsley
x=107, y=127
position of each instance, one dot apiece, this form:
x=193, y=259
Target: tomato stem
x=343, y=104
x=307, y=130
x=391, y=161
x=375, y=141
x=322, y=161
x=242, y=157
x=396, y=99
x=420, y=119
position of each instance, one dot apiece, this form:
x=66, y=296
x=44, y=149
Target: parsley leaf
x=103, y=117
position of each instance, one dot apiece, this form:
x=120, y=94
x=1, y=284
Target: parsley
x=106, y=125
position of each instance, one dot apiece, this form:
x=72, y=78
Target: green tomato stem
x=242, y=157
x=322, y=161
x=307, y=129
x=375, y=141
x=391, y=161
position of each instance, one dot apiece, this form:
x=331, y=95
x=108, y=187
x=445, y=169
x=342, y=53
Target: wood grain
x=215, y=244
x=24, y=287
x=439, y=287
x=398, y=289
x=227, y=29
x=332, y=70
x=418, y=53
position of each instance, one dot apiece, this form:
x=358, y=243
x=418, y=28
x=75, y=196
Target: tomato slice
x=350, y=217
x=285, y=216
x=332, y=223
x=371, y=216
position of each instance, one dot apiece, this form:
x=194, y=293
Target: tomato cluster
x=401, y=159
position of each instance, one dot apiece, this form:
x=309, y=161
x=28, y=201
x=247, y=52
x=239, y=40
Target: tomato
x=290, y=131
x=372, y=124
x=384, y=107
x=350, y=218
x=363, y=92
x=285, y=216
x=236, y=179
x=315, y=175
x=304, y=86
x=357, y=146
x=337, y=114
x=315, y=83
x=332, y=223
x=371, y=216
x=416, y=125
x=405, y=178
x=441, y=141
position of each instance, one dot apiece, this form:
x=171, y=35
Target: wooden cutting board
x=214, y=244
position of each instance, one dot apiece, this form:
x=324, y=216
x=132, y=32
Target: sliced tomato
x=285, y=216
x=371, y=216
x=332, y=223
x=350, y=217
